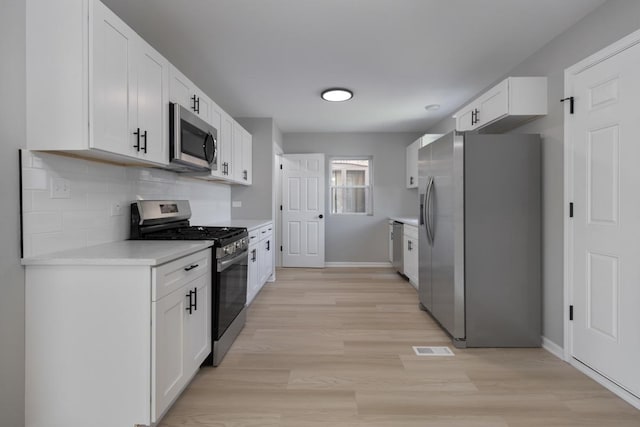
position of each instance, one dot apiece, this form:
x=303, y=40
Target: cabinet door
x=152, y=104
x=170, y=339
x=247, y=160
x=198, y=324
x=226, y=145
x=252, y=274
x=494, y=104
x=465, y=119
x=181, y=90
x=410, y=259
x=265, y=260
x=236, y=161
x=412, y=164
x=391, y=243
x=112, y=71
x=204, y=105
x=268, y=258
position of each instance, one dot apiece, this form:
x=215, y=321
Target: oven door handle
x=223, y=265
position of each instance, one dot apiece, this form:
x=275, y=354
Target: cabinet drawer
x=266, y=231
x=411, y=231
x=254, y=236
x=173, y=275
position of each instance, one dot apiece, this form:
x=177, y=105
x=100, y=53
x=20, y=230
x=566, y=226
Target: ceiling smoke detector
x=337, y=94
x=432, y=107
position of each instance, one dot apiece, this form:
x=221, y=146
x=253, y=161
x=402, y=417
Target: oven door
x=230, y=290
x=193, y=142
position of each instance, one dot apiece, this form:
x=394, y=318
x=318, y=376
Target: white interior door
x=303, y=210
x=604, y=253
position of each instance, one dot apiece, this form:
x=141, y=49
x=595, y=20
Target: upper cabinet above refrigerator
x=505, y=106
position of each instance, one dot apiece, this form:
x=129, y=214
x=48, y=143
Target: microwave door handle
x=214, y=162
x=177, y=142
x=208, y=158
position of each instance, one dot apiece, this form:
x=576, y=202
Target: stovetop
x=196, y=233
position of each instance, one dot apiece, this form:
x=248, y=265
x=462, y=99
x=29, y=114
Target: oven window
x=232, y=295
x=192, y=140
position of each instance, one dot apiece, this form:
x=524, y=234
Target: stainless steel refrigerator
x=480, y=238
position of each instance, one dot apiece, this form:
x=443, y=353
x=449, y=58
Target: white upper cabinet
x=247, y=159
x=225, y=138
x=93, y=85
x=97, y=89
x=185, y=93
x=412, y=164
x=412, y=158
x=241, y=163
x=505, y=106
x=129, y=87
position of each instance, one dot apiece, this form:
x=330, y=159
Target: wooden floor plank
x=333, y=347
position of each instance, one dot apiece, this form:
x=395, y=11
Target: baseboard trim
x=357, y=264
x=553, y=348
x=606, y=383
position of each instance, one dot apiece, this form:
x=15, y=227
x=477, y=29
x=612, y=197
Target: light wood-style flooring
x=333, y=347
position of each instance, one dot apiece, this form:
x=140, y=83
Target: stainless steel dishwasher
x=398, y=249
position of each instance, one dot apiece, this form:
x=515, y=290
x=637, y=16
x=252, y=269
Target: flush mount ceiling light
x=432, y=107
x=337, y=94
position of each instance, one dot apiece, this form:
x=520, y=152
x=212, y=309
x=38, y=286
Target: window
x=351, y=186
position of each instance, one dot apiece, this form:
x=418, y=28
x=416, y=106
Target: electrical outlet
x=116, y=209
x=60, y=188
x=236, y=204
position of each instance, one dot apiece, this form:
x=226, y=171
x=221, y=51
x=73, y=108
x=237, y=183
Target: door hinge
x=571, y=210
x=570, y=312
x=280, y=167
x=280, y=207
x=280, y=248
x=571, y=103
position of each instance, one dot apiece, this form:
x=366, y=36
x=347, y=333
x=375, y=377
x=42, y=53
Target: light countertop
x=406, y=220
x=128, y=252
x=249, y=224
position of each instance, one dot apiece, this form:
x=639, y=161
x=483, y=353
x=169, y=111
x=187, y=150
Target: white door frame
x=277, y=202
x=569, y=74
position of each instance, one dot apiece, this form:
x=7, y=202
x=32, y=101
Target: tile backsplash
x=99, y=196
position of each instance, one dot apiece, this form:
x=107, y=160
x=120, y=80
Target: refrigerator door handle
x=427, y=209
x=429, y=213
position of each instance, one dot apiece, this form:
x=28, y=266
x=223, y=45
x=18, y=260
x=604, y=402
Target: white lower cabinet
x=410, y=244
x=113, y=345
x=261, y=260
x=181, y=338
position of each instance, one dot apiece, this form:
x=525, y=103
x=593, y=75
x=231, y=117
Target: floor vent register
x=433, y=351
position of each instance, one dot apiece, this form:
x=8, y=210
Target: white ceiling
x=272, y=58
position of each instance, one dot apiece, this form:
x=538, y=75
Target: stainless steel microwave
x=193, y=143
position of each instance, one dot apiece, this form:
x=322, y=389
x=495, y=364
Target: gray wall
x=12, y=137
x=355, y=238
x=257, y=198
x=612, y=21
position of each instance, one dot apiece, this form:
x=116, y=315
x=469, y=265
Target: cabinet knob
x=320, y=216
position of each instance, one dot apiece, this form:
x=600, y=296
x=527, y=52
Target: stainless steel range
x=169, y=220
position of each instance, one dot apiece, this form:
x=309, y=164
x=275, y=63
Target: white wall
x=85, y=218
x=356, y=238
x=612, y=21
x=12, y=138
x=257, y=199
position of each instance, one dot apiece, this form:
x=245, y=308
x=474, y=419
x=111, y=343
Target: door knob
x=320, y=216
